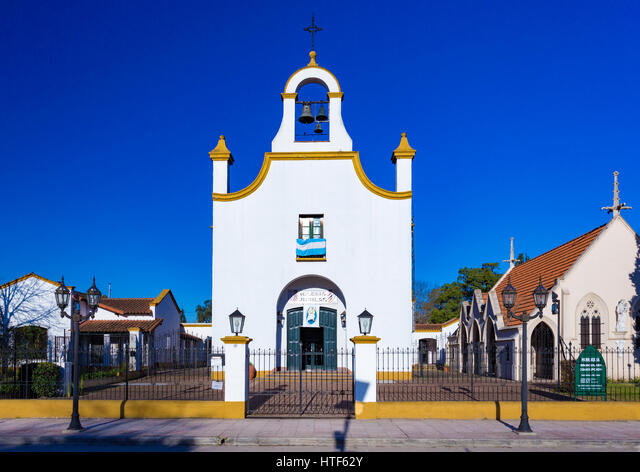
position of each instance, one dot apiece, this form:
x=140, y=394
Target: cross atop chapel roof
x=617, y=206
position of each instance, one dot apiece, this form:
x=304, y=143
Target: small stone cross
x=617, y=206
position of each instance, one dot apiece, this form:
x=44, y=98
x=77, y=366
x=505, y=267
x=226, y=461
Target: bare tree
x=25, y=302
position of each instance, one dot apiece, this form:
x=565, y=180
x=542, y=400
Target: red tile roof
x=127, y=306
x=551, y=265
x=434, y=326
x=118, y=326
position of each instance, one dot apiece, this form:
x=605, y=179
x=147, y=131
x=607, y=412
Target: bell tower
x=312, y=125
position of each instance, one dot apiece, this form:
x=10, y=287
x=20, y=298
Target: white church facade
x=594, y=285
x=311, y=243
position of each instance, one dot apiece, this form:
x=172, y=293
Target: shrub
x=46, y=378
x=10, y=390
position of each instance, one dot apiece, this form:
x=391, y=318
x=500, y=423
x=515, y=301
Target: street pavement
x=317, y=435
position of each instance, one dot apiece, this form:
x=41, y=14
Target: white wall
x=40, y=306
x=609, y=268
x=368, y=249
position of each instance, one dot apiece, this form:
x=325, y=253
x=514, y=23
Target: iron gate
x=301, y=383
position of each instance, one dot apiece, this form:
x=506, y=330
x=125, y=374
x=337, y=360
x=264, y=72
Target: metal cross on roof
x=313, y=29
x=617, y=206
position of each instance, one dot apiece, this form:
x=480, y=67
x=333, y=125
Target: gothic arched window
x=590, y=324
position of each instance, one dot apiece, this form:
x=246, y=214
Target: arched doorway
x=310, y=333
x=491, y=348
x=428, y=348
x=476, y=348
x=465, y=348
x=542, y=351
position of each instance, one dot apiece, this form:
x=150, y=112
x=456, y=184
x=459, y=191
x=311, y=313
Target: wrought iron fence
x=114, y=373
x=480, y=374
x=301, y=383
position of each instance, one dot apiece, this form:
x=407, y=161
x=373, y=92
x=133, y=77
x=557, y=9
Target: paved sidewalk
x=326, y=434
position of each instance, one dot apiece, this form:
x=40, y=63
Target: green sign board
x=591, y=374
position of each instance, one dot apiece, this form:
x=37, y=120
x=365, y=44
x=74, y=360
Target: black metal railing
x=301, y=383
x=478, y=373
x=116, y=372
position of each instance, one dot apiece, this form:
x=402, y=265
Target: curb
x=329, y=443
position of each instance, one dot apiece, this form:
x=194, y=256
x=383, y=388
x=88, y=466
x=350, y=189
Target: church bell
x=322, y=114
x=306, y=117
x=318, y=129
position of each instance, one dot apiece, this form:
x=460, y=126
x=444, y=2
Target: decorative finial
x=221, y=152
x=313, y=29
x=312, y=62
x=617, y=206
x=403, y=151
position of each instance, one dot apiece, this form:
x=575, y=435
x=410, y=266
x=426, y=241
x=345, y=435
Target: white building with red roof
x=594, y=285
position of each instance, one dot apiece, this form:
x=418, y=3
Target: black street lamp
x=365, y=320
x=509, y=295
x=236, y=320
x=63, y=296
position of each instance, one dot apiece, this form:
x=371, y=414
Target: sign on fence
x=591, y=374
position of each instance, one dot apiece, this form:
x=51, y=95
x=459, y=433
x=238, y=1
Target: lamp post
x=509, y=295
x=63, y=296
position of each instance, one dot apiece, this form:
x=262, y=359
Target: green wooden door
x=328, y=324
x=294, y=322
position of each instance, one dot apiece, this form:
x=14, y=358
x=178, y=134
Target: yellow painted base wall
x=120, y=409
x=567, y=411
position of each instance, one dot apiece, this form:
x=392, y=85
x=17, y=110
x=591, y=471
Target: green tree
x=522, y=258
x=483, y=278
x=204, y=312
x=446, y=305
x=183, y=318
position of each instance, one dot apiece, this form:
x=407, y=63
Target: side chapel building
x=594, y=285
x=311, y=243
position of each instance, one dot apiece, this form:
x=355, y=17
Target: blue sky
x=519, y=111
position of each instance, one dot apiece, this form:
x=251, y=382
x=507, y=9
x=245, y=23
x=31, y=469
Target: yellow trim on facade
x=450, y=322
x=134, y=330
x=163, y=294
x=236, y=340
x=196, y=325
x=287, y=156
x=289, y=95
x=311, y=259
x=365, y=340
x=444, y=325
x=339, y=95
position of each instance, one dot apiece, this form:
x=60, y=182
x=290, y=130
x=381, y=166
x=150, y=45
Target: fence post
x=365, y=376
x=236, y=374
x=135, y=340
